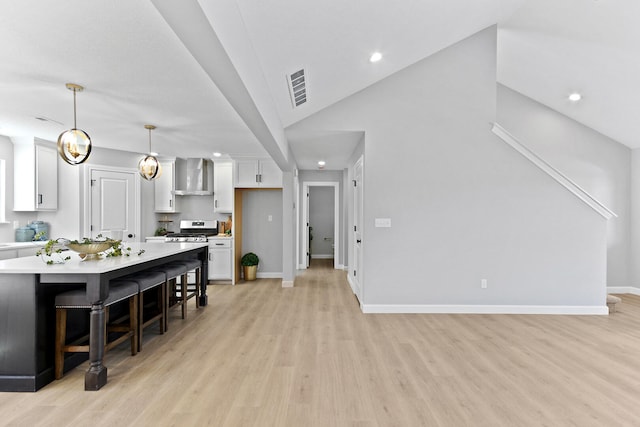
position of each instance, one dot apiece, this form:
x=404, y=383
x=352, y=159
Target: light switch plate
x=383, y=222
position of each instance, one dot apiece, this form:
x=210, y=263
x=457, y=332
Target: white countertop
x=219, y=237
x=12, y=246
x=35, y=265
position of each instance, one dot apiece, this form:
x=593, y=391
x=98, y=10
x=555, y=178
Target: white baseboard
x=322, y=256
x=287, y=283
x=623, y=290
x=350, y=282
x=340, y=267
x=268, y=275
x=485, y=309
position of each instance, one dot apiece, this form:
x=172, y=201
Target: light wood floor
x=261, y=355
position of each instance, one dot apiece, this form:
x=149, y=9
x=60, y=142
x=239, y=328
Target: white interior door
x=113, y=204
x=307, y=228
x=356, y=271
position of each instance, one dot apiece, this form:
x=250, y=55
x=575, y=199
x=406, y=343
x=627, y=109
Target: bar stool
x=190, y=265
x=148, y=281
x=172, y=272
x=119, y=290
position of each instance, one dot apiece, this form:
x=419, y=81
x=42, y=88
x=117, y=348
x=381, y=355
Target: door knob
x=358, y=241
x=129, y=235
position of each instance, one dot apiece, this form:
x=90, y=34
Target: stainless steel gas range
x=194, y=231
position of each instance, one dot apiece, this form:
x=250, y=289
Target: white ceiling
x=139, y=68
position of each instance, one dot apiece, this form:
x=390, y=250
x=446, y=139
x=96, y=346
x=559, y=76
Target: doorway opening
x=321, y=223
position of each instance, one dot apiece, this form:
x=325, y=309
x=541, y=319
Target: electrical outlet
x=270, y=218
x=483, y=283
x=16, y=224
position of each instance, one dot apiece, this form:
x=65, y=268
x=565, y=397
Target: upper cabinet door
x=35, y=178
x=270, y=174
x=46, y=178
x=246, y=173
x=165, y=184
x=222, y=187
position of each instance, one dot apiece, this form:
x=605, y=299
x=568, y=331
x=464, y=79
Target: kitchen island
x=27, y=313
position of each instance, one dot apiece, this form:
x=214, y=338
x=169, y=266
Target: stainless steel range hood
x=194, y=177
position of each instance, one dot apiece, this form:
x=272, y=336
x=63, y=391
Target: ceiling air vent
x=297, y=88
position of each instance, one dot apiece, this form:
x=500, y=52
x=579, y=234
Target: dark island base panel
x=24, y=367
x=29, y=383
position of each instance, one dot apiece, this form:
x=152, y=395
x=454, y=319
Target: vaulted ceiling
x=211, y=74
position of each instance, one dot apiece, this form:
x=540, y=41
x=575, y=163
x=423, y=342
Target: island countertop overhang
x=35, y=265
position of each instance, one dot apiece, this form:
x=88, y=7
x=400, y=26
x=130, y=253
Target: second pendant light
x=149, y=166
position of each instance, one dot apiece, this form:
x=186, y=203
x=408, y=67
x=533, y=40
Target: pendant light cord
x=74, y=109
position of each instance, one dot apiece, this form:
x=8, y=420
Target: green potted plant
x=249, y=263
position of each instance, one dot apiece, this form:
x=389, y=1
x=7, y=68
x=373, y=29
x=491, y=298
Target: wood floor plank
x=262, y=355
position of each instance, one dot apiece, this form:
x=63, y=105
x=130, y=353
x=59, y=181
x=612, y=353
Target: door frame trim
x=85, y=184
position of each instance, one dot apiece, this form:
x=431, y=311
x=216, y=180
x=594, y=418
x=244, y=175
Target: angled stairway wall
x=596, y=163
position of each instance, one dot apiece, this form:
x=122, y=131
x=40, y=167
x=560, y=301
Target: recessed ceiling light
x=575, y=97
x=375, y=57
x=216, y=154
x=321, y=163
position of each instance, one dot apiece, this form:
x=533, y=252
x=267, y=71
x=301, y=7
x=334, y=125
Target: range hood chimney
x=194, y=177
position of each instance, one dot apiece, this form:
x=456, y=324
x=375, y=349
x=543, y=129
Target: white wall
x=463, y=205
x=634, y=254
x=289, y=224
x=600, y=165
x=261, y=236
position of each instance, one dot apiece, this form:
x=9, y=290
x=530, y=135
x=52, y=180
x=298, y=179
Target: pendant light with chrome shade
x=149, y=166
x=74, y=145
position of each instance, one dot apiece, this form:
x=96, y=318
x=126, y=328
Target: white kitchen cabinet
x=35, y=184
x=19, y=250
x=165, y=185
x=8, y=254
x=28, y=252
x=220, y=259
x=223, y=187
x=257, y=173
